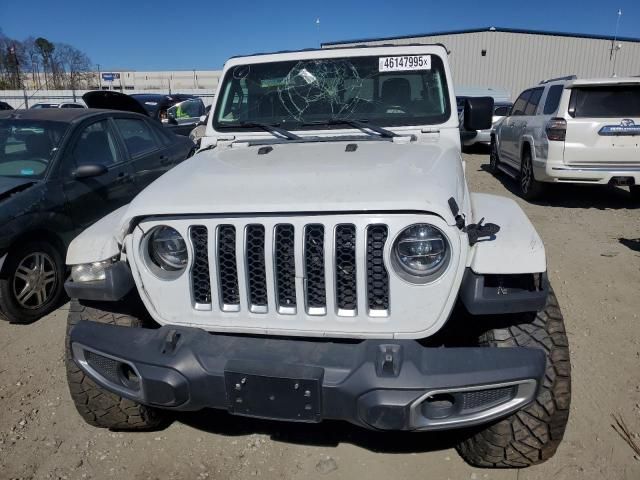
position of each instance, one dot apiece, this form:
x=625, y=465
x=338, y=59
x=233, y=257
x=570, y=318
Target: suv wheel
x=635, y=192
x=530, y=188
x=33, y=284
x=97, y=406
x=494, y=159
x=531, y=435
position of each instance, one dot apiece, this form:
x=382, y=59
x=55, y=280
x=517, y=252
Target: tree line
x=38, y=63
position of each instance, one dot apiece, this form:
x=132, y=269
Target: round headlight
x=420, y=253
x=167, y=249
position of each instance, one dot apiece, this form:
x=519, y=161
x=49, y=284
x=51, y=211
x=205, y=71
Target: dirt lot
x=592, y=238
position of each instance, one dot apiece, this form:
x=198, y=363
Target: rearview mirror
x=478, y=113
x=89, y=170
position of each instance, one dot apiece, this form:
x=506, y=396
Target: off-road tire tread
x=97, y=406
x=531, y=435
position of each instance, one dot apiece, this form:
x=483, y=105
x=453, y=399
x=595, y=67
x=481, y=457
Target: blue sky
x=196, y=34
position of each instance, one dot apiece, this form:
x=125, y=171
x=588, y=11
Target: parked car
x=5, y=106
x=572, y=130
x=321, y=257
x=61, y=170
x=500, y=110
x=57, y=105
x=180, y=113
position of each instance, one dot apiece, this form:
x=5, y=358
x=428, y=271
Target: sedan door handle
x=124, y=177
x=164, y=160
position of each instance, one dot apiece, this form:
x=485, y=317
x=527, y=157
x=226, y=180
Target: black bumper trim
x=481, y=299
x=353, y=377
x=117, y=283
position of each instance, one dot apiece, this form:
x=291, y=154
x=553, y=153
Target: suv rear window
x=605, y=101
x=553, y=99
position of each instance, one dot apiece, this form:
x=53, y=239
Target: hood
x=309, y=177
x=10, y=186
x=113, y=101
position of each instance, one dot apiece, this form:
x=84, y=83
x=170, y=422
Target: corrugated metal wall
x=515, y=61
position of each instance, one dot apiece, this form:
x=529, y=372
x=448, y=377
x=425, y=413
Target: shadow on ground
x=631, y=243
x=326, y=434
x=571, y=195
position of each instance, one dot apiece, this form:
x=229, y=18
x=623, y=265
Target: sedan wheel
x=35, y=280
x=32, y=282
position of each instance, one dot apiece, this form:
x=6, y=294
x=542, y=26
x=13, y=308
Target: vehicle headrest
x=396, y=91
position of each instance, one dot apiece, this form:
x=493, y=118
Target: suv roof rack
x=568, y=77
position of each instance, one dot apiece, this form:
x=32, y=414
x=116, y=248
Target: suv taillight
x=556, y=129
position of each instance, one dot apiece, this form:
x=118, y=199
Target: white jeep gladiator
x=321, y=258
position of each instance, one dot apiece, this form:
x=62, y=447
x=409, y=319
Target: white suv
x=572, y=130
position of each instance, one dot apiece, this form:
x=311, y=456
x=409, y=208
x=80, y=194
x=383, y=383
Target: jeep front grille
x=248, y=254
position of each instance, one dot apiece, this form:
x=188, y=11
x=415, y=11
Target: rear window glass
x=553, y=99
x=608, y=101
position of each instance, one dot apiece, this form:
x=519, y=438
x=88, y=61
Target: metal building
x=514, y=59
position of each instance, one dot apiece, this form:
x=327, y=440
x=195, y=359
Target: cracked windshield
x=386, y=91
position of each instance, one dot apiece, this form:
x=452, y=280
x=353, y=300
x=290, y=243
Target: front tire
x=530, y=188
x=494, y=159
x=531, y=435
x=33, y=285
x=96, y=405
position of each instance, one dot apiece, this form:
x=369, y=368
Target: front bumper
x=387, y=385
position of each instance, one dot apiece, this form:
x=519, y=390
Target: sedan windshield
x=320, y=93
x=27, y=146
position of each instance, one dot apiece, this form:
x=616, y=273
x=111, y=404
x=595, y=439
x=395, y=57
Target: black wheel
x=531, y=435
x=494, y=159
x=530, y=188
x=33, y=284
x=97, y=406
x=635, y=192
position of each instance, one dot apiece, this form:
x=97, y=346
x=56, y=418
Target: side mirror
x=203, y=120
x=171, y=119
x=89, y=170
x=478, y=113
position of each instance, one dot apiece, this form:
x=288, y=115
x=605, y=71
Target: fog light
x=438, y=406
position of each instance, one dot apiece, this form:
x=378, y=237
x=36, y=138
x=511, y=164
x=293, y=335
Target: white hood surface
x=308, y=177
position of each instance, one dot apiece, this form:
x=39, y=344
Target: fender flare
x=516, y=248
x=99, y=241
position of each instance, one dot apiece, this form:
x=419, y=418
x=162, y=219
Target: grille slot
x=227, y=268
x=285, y=268
x=315, y=288
x=200, y=280
x=345, y=261
x=256, y=272
x=377, y=275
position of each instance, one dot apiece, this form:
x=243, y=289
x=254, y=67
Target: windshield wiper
x=361, y=124
x=272, y=129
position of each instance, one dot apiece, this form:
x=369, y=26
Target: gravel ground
x=592, y=236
